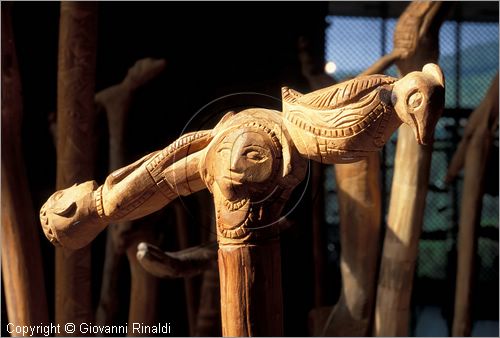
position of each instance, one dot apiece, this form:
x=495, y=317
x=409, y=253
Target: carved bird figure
x=341, y=123
x=337, y=124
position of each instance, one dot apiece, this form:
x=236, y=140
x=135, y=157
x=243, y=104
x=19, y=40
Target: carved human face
x=244, y=160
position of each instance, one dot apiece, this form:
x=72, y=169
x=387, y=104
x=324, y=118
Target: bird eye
x=415, y=100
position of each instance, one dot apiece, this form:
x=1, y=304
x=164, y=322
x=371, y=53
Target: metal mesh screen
x=469, y=59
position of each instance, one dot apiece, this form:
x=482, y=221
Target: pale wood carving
x=251, y=161
x=22, y=269
x=416, y=42
x=75, y=149
x=123, y=238
x=472, y=155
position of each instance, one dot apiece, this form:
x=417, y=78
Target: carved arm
x=73, y=217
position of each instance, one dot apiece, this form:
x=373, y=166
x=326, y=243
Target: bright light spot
x=330, y=67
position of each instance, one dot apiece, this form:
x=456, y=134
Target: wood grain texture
x=250, y=283
x=22, y=269
x=75, y=148
x=416, y=45
x=472, y=153
x=360, y=210
x=404, y=225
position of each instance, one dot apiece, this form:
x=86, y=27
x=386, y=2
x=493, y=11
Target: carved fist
x=66, y=214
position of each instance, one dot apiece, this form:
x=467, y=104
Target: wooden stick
x=22, y=269
x=143, y=291
x=473, y=152
x=251, y=162
x=406, y=211
x=250, y=283
x=251, y=171
x=360, y=210
x=415, y=44
x=75, y=148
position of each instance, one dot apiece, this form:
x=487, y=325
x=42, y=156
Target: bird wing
x=337, y=96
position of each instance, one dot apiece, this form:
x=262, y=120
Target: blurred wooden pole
x=360, y=208
x=472, y=153
x=416, y=43
x=406, y=213
x=22, y=269
x=75, y=148
x=143, y=290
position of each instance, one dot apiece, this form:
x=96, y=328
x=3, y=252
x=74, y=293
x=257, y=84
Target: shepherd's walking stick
x=416, y=42
x=250, y=162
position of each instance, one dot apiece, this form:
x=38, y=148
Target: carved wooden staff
x=251, y=161
x=22, y=269
x=472, y=155
x=249, y=196
x=75, y=148
x=358, y=187
x=115, y=101
x=416, y=42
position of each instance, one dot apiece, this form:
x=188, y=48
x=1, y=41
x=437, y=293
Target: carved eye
x=255, y=156
x=415, y=100
x=67, y=211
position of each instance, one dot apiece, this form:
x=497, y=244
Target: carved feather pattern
x=338, y=95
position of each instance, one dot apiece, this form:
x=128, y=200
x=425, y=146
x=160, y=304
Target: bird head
x=418, y=99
